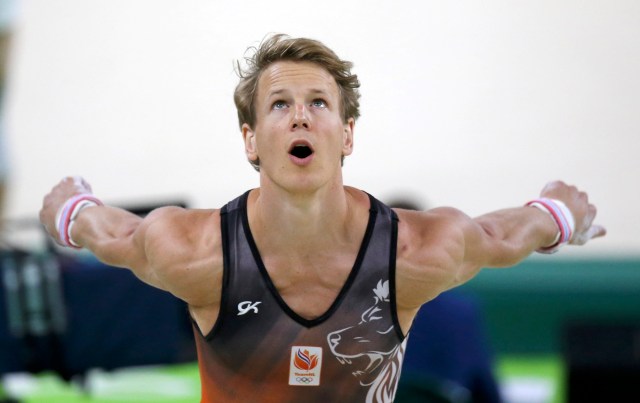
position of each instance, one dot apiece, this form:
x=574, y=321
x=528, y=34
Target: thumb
x=595, y=231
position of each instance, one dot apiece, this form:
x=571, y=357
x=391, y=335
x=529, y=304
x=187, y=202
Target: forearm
x=510, y=235
x=562, y=215
x=74, y=217
x=111, y=234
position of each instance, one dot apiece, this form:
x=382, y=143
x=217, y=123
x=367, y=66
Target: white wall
x=466, y=103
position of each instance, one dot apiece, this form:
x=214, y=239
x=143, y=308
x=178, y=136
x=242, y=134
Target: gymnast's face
x=299, y=136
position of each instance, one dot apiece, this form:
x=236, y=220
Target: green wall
x=527, y=307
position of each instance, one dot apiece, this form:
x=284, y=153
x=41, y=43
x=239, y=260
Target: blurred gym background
x=471, y=104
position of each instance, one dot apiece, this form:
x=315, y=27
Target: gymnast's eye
x=279, y=105
x=319, y=103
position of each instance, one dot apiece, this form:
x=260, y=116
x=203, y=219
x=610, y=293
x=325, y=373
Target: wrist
x=563, y=219
x=68, y=213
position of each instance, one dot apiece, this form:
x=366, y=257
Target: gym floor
x=537, y=379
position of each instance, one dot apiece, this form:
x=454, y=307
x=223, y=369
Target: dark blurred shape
x=603, y=362
x=420, y=388
x=449, y=354
x=142, y=209
x=36, y=315
x=406, y=202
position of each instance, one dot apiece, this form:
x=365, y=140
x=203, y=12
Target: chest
x=310, y=285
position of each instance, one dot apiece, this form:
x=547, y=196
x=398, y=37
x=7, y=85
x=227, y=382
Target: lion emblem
x=353, y=345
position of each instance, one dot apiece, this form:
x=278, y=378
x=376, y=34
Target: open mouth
x=301, y=151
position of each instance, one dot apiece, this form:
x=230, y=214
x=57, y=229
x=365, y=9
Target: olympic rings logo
x=304, y=379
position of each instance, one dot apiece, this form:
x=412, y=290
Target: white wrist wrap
x=563, y=218
x=67, y=214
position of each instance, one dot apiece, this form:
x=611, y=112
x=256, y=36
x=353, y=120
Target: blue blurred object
x=111, y=320
x=449, y=357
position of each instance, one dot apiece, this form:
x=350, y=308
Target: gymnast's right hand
x=61, y=204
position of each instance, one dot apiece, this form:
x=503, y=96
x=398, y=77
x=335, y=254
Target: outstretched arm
x=157, y=249
x=115, y=236
x=443, y=247
x=505, y=237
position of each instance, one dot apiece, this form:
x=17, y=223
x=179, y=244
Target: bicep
x=430, y=255
x=449, y=247
x=184, y=256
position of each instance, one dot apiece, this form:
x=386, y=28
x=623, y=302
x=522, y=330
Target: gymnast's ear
x=250, y=147
x=347, y=137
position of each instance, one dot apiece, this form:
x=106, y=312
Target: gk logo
x=246, y=306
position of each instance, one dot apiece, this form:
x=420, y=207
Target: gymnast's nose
x=300, y=118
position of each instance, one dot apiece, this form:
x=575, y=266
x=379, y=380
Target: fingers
x=75, y=184
x=594, y=231
x=553, y=184
x=82, y=185
x=598, y=231
x=586, y=230
x=583, y=212
x=557, y=185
